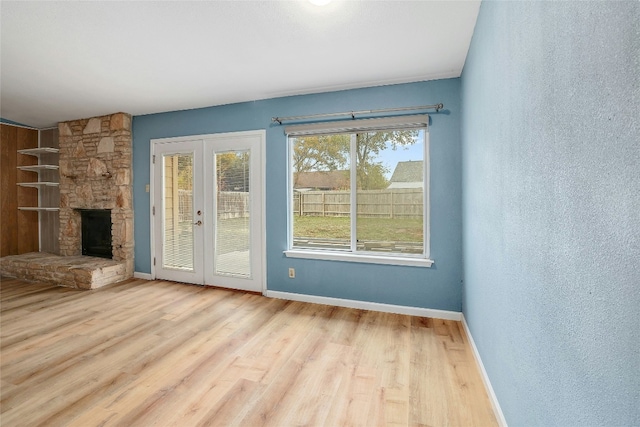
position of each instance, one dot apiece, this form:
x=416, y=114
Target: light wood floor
x=144, y=353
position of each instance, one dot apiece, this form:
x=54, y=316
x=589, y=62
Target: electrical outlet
x=292, y=273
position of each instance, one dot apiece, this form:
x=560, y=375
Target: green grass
x=233, y=234
x=374, y=229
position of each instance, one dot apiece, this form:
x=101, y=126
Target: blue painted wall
x=551, y=202
x=438, y=287
x=11, y=122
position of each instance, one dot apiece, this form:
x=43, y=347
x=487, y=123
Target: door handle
x=198, y=223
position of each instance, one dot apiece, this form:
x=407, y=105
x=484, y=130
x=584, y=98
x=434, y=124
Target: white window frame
x=359, y=126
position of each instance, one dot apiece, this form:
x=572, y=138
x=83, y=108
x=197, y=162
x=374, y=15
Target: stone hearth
x=81, y=272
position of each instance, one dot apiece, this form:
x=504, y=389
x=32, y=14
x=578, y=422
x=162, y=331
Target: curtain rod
x=352, y=114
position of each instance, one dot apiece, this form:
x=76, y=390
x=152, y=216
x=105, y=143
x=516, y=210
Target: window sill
x=363, y=258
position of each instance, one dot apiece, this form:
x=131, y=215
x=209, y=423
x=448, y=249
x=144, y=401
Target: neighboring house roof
x=321, y=180
x=407, y=175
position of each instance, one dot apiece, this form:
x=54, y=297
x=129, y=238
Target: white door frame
x=262, y=188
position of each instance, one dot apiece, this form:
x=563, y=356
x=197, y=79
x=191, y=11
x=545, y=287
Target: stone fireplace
x=96, y=174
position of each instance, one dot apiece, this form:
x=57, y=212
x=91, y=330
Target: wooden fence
x=231, y=204
x=396, y=203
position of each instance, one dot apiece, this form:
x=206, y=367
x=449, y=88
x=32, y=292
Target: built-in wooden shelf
x=38, y=184
x=30, y=208
x=38, y=151
x=37, y=190
x=38, y=168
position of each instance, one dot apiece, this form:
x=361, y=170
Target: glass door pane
x=232, y=231
x=178, y=251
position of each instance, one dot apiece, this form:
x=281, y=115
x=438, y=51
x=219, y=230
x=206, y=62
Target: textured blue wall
x=551, y=190
x=438, y=287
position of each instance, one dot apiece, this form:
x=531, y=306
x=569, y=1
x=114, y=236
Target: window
x=359, y=190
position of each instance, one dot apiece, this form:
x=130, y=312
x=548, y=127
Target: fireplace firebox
x=96, y=233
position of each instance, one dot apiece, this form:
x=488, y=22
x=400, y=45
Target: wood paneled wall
x=19, y=229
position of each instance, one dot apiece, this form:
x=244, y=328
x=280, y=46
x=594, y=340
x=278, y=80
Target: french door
x=207, y=210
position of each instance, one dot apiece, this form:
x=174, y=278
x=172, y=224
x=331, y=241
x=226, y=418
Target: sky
x=390, y=157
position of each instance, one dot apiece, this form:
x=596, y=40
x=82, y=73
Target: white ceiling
x=68, y=60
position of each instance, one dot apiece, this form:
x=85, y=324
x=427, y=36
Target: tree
x=370, y=172
x=320, y=153
x=331, y=152
x=371, y=176
x=232, y=170
x=185, y=171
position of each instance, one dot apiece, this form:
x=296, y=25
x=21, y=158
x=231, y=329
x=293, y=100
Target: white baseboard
x=365, y=305
x=145, y=276
x=485, y=378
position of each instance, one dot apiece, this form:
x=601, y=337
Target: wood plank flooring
x=155, y=353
